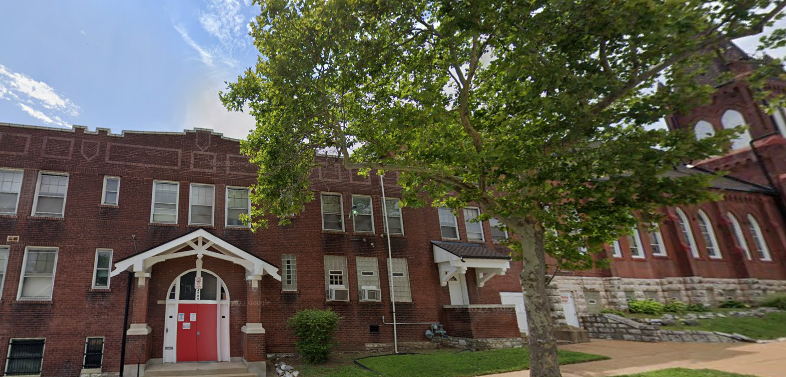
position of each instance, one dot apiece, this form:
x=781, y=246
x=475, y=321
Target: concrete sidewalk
x=765, y=360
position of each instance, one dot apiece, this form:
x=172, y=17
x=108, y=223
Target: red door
x=196, y=332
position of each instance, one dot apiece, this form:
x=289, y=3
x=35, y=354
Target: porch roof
x=454, y=258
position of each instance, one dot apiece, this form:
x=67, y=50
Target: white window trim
x=226, y=205
x=191, y=203
x=694, y=251
x=616, y=249
x=8, y=354
x=482, y=233
x=661, y=244
x=765, y=249
x=103, y=191
x=739, y=235
x=177, y=201
x=371, y=205
x=22, y=274
x=637, y=238
x=38, y=189
x=84, y=354
x=507, y=236
x=343, y=279
x=5, y=269
x=95, y=268
x=455, y=225
x=284, y=285
x=322, y=210
x=18, y=194
x=711, y=233
x=400, y=213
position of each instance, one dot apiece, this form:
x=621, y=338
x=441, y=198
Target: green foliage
x=675, y=306
x=696, y=307
x=775, y=301
x=612, y=311
x=645, y=307
x=733, y=304
x=314, y=330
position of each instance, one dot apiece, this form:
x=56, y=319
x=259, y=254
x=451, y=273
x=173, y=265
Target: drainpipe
x=125, y=316
x=390, y=262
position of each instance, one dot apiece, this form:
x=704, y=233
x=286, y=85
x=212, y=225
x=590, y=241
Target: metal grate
x=94, y=353
x=25, y=357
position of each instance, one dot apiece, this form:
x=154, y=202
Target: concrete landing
x=223, y=369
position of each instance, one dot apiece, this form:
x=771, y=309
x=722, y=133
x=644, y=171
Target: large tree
x=538, y=111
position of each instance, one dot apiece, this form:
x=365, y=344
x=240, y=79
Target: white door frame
x=458, y=288
x=516, y=298
x=569, y=309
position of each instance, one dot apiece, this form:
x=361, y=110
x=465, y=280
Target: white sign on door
x=181, y=317
x=198, y=282
x=186, y=325
x=193, y=317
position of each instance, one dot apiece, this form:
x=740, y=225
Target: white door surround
x=517, y=299
x=569, y=308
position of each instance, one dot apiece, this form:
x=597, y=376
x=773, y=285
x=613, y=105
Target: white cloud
x=204, y=110
x=224, y=21
x=36, y=98
x=205, y=56
x=43, y=117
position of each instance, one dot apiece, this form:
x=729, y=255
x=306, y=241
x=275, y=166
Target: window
x=368, y=279
x=237, y=203
x=687, y=235
x=202, y=200
x=50, y=195
x=634, y=243
x=362, y=214
x=393, y=216
x=616, y=249
x=111, y=191
x=25, y=357
x=10, y=185
x=400, y=272
x=38, y=275
x=498, y=233
x=103, y=264
x=732, y=119
x=474, y=228
x=656, y=242
x=164, y=202
x=332, y=212
x=758, y=239
x=447, y=223
x=739, y=238
x=288, y=273
x=3, y=266
x=707, y=232
x=94, y=353
x=335, y=278
x=703, y=130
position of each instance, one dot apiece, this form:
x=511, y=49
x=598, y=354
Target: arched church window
x=703, y=129
x=732, y=119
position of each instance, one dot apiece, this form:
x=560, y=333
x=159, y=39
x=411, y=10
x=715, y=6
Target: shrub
x=314, y=331
x=612, y=311
x=696, y=308
x=675, y=306
x=733, y=304
x=645, y=307
x=775, y=301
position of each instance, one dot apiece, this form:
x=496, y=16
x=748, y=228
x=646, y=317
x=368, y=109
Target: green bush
x=775, y=301
x=733, y=304
x=612, y=311
x=675, y=306
x=645, y=307
x=314, y=331
x=696, y=308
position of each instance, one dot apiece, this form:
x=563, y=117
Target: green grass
x=679, y=372
x=442, y=363
x=771, y=326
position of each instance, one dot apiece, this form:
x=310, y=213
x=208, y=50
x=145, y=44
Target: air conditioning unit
x=370, y=294
x=339, y=294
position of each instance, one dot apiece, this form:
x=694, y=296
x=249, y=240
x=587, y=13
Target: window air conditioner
x=370, y=294
x=339, y=294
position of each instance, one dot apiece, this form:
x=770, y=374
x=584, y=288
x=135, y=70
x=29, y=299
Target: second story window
x=103, y=265
x=50, y=195
x=10, y=185
x=474, y=228
x=38, y=275
x=447, y=224
x=202, y=200
x=656, y=242
x=3, y=265
x=332, y=212
x=165, y=202
x=634, y=243
x=111, y=193
x=393, y=217
x=237, y=204
x=498, y=233
x=362, y=214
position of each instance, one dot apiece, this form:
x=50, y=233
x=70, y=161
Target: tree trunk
x=542, y=344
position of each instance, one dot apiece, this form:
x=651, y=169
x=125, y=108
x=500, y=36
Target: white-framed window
x=94, y=353
x=25, y=357
x=10, y=186
x=336, y=278
x=4, y=250
x=201, y=204
x=708, y=234
x=50, y=194
x=400, y=272
x=448, y=224
x=332, y=212
x=758, y=239
x=739, y=237
x=393, y=216
x=368, y=278
x=634, y=243
x=474, y=229
x=38, y=274
x=616, y=249
x=732, y=119
x=657, y=246
x=362, y=214
x=164, y=207
x=238, y=202
x=288, y=272
x=498, y=233
x=111, y=193
x=687, y=234
x=101, y=269
x=703, y=129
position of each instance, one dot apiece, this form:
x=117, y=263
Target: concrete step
x=224, y=369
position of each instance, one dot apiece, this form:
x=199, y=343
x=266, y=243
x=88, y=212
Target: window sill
x=330, y=231
x=46, y=218
x=7, y=215
x=163, y=224
x=100, y=290
x=33, y=302
x=370, y=301
x=91, y=371
x=109, y=206
x=715, y=258
x=476, y=241
x=638, y=258
x=451, y=239
x=293, y=292
x=206, y=226
x=236, y=227
x=333, y=302
x=395, y=235
x=660, y=256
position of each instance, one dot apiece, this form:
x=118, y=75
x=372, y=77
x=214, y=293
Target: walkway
x=765, y=360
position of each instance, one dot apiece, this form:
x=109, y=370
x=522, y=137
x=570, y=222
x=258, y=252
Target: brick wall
x=481, y=321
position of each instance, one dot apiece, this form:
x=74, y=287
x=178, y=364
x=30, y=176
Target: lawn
x=771, y=326
x=679, y=372
x=441, y=363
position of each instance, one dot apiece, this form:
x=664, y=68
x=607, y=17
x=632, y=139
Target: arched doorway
x=197, y=318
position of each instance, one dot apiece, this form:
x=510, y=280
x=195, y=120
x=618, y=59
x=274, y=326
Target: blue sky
x=128, y=65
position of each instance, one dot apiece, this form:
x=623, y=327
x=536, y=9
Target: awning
x=455, y=258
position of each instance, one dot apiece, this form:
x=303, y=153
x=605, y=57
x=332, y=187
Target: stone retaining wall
x=482, y=344
x=610, y=326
